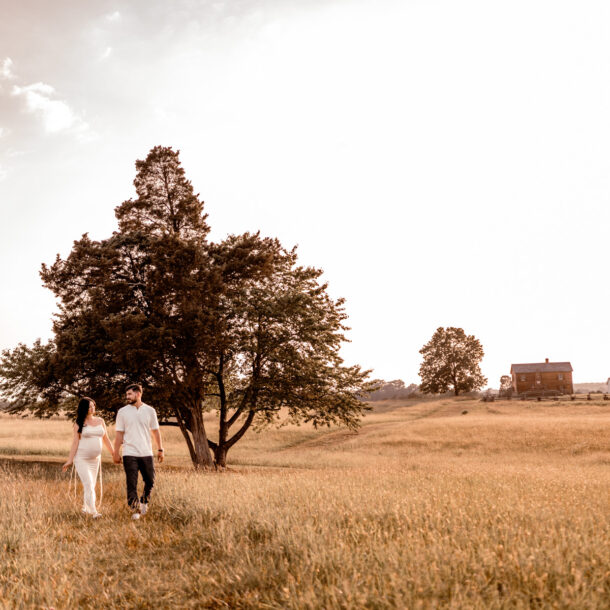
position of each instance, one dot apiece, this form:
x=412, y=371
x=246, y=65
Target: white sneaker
x=135, y=516
x=97, y=515
x=143, y=508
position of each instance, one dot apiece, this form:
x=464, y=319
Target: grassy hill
x=433, y=503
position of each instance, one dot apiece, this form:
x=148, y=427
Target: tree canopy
x=237, y=327
x=451, y=362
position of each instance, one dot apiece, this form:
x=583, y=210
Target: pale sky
x=446, y=163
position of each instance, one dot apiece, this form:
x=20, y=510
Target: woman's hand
x=66, y=466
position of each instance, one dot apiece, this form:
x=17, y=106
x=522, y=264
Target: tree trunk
x=203, y=457
x=185, y=433
x=455, y=381
x=220, y=456
x=222, y=450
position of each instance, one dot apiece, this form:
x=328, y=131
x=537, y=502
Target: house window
x=560, y=376
x=522, y=377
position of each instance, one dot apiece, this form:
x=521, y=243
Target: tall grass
x=424, y=508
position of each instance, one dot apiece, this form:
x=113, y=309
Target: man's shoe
x=143, y=508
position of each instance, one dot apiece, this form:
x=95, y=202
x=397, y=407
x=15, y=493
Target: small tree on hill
x=451, y=362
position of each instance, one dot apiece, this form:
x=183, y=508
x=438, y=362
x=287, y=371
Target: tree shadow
x=33, y=469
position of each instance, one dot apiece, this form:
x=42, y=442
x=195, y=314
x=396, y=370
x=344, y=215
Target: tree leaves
x=236, y=326
x=451, y=361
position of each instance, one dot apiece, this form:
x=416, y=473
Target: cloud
x=3, y=131
x=116, y=16
x=55, y=114
x=3, y=173
x=106, y=54
x=5, y=68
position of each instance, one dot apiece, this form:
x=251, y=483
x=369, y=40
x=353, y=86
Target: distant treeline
x=585, y=388
x=392, y=390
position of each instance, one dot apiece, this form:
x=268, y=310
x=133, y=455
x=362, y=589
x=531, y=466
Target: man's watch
x=161, y=450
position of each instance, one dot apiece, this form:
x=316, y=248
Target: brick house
x=542, y=376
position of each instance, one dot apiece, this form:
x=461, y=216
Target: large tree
x=237, y=326
x=451, y=362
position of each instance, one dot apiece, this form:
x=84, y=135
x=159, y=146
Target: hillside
x=392, y=429
x=450, y=503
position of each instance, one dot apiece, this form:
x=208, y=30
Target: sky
x=445, y=163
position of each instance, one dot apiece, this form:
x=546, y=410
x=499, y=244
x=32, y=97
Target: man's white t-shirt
x=136, y=423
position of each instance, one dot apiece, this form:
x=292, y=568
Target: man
x=134, y=424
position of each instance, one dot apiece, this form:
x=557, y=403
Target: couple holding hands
x=134, y=424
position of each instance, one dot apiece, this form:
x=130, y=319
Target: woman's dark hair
x=82, y=412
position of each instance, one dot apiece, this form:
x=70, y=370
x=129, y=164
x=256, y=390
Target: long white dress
x=87, y=463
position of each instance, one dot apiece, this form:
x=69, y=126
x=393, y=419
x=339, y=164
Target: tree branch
x=185, y=433
x=241, y=431
x=235, y=416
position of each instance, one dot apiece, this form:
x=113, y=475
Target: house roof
x=542, y=367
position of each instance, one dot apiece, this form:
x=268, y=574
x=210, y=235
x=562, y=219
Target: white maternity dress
x=87, y=463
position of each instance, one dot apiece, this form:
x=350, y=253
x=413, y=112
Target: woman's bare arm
x=106, y=439
x=73, y=448
x=118, y=441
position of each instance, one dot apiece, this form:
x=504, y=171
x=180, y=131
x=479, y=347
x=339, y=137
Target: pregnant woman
x=86, y=451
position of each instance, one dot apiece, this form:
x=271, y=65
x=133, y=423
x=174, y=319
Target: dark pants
x=146, y=467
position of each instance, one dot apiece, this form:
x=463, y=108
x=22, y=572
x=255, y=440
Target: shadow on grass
x=33, y=469
x=25, y=452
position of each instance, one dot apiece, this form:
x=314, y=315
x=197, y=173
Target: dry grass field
x=507, y=506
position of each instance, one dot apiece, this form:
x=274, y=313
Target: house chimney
x=546, y=360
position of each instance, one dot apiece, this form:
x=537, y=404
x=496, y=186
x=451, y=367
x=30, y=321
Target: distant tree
x=396, y=389
x=451, y=362
x=235, y=327
x=506, y=385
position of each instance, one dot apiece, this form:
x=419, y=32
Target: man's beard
x=132, y=401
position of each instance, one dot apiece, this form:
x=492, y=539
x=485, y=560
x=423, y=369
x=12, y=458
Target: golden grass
x=504, y=507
